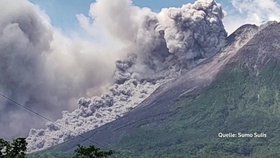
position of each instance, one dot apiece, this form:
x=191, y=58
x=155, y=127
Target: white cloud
x=252, y=12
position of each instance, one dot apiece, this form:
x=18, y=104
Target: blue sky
x=62, y=12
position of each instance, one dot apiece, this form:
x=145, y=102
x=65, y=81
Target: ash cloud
x=44, y=69
x=175, y=35
x=156, y=48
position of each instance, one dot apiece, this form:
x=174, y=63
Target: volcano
x=227, y=106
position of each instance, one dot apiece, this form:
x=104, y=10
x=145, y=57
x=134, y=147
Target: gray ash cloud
x=48, y=71
x=42, y=69
x=156, y=46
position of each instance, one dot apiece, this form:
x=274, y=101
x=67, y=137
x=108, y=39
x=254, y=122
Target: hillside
x=234, y=91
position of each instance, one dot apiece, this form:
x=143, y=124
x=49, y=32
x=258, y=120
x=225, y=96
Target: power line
x=24, y=107
x=45, y=118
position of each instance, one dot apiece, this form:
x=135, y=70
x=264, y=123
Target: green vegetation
x=81, y=152
x=91, y=152
x=14, y=149
x=17, y=149
x=240, y=100
x=50, y=154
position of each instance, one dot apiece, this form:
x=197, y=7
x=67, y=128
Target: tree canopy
x=91, y=152
x=14, y=149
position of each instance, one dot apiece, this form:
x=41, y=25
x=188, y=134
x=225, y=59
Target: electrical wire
x=45, y=118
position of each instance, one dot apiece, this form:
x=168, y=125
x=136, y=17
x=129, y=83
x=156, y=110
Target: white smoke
x=157, y=47
x=43, y=69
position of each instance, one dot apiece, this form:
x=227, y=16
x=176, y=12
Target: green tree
x=14, y=149
x=91, y=152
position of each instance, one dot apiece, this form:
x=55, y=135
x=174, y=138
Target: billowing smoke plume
x=43, y=69
x=179, y=34
x=158, y=47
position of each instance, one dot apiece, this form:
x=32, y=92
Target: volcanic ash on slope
x=161, y=46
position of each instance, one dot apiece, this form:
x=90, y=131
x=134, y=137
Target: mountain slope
x=235, y=91
x=158, y=47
